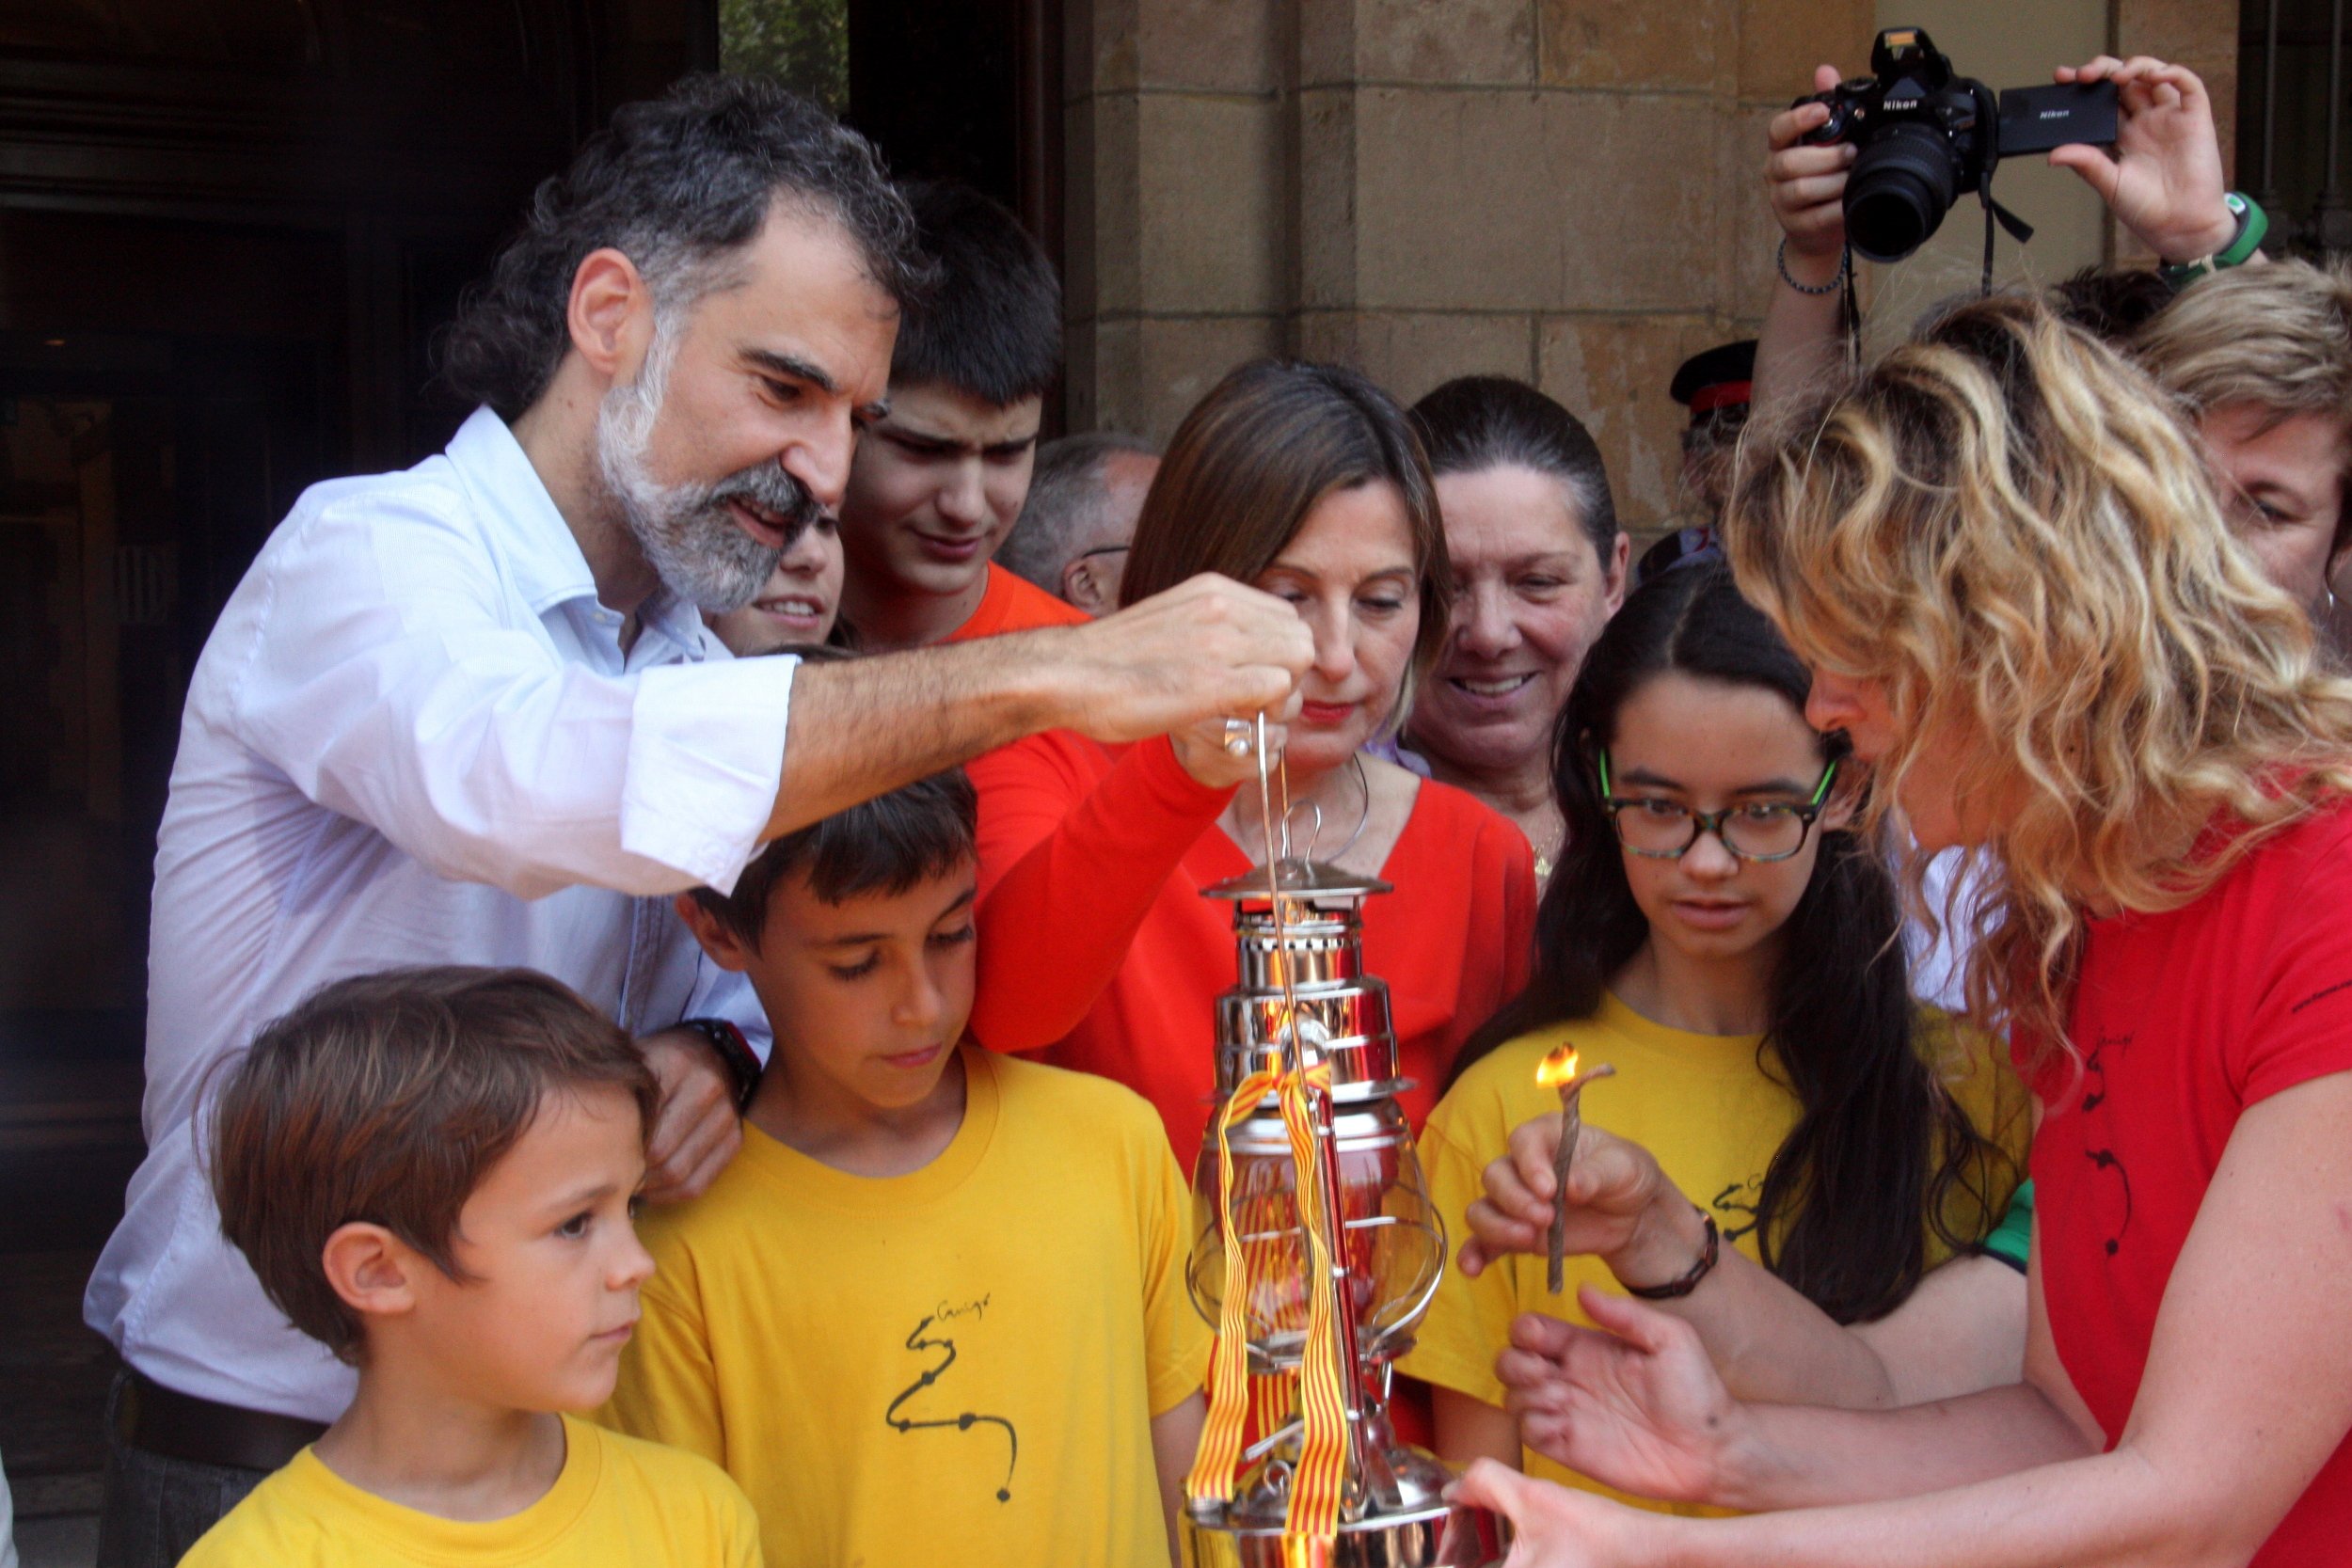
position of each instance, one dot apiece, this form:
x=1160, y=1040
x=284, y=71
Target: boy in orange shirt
x=936, y=1310
x=432, y=1171
x=938, y=480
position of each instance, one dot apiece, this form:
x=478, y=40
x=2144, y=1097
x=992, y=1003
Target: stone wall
x=2200, y=34
x=1562, y=190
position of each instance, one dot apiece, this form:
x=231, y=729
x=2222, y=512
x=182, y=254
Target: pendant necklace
x=1364, y=817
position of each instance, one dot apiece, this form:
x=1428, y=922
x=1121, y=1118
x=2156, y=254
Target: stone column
x=1176, y=188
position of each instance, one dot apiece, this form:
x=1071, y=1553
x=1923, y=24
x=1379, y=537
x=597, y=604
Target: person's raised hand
x=695, y=1129
x=2165, y=182
x=1621, y=1207
x=1208, y=648
x=1807, y=183
x=1635, y=1404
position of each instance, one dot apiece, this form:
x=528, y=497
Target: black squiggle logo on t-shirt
x=2094, y=1096
x=1736, y=1198
x=964, y=1422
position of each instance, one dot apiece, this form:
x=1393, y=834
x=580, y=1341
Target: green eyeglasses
x=1758, y=830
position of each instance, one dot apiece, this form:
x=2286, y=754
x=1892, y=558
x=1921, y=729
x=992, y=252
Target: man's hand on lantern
x=1621, y=1207
x=1635, y=1404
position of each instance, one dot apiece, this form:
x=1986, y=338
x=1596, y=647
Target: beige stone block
x=1209, y=204
x=1752, y=233
x=1410, y=352
x=2177, y=30
x=1103, y=268
x=1178, y=360
x=1452, y=41
x=1781, y=41
x=1613, y=43
x=1612, y=372
x=1099, y=51
x=1211, y=45
x=1326, y=213
x=1197, y=45
x=1536, y=201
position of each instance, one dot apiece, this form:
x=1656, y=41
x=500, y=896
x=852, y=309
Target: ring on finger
x=1237, y=737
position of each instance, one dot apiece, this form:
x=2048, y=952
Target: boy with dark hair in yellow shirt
x=936, y=1310
x=431, y=1173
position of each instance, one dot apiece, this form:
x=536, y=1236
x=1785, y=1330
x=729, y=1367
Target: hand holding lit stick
x=1559, y=1069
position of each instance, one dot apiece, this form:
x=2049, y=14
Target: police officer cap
x=1715, y=378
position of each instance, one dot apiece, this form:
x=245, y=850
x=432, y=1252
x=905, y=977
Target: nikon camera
x=1926, y=136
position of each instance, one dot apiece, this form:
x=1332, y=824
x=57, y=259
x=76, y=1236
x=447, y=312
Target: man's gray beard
x=693, y=543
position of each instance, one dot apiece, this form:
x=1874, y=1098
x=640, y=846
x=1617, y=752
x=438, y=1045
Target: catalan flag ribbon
x=1258, y=1246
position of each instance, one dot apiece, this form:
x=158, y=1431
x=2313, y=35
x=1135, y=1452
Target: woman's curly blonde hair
x=2003, y=526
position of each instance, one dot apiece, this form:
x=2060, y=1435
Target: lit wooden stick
x=1558, y=1069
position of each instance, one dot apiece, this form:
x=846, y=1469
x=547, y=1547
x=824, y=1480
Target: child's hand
x=2165, y=182
x=1638, y=1407
x=1620, y=1204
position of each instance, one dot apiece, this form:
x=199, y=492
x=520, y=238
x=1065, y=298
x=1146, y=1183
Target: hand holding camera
x=2165, y=182
x=1879, y=159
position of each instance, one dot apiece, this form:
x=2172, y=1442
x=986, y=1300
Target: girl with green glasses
x=1718, y=932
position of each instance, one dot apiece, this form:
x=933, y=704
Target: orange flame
x=1556, y=1069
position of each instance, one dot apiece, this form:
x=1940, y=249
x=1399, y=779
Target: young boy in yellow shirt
x=432, y=1171
x=936, y=1310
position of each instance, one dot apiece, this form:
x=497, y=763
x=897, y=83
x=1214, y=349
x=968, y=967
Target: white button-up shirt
x=414, y=738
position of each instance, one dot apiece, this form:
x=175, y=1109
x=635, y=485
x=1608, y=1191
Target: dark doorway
x=968, y=91
x=228, y=228
x=2293, y=150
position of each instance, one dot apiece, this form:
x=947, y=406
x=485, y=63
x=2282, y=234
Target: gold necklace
x=1543, y=863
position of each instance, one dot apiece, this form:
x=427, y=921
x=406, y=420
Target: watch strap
x=1675, y=1289
x=736, y=1055
x=2253, y=225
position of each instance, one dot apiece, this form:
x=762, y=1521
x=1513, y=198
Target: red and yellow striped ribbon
x=1319, y=1478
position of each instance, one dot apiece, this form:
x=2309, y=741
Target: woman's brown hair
x=1251, y=461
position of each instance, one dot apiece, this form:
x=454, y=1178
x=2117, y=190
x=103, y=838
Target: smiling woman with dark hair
x=1096, y=947
x=1539, y=566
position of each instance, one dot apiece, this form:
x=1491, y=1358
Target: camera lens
x=1903, y=182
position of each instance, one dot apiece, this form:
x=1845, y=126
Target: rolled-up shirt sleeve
x=387, y=672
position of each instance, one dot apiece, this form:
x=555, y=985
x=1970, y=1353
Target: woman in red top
x=1096, y=947
x=2005, y=563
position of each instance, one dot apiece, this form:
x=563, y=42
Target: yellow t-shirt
x=958, y=1365
x=616, y=1500
x=1711, y=1116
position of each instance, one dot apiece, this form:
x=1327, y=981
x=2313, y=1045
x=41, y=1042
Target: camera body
x=1927, y=135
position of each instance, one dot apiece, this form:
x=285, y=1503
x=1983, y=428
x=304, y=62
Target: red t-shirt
x=1012, y=603
x=2184, y=1019
x=1097, y=948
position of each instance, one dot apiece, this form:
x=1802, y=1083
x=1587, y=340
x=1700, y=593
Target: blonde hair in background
x=2004, y=526
x=2280, y=335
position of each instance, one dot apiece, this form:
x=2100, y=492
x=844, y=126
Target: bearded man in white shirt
x=469, y=713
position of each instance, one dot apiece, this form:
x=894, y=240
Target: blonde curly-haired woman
x=2005, y=565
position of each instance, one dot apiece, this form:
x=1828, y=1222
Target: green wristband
x=2252, y=225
